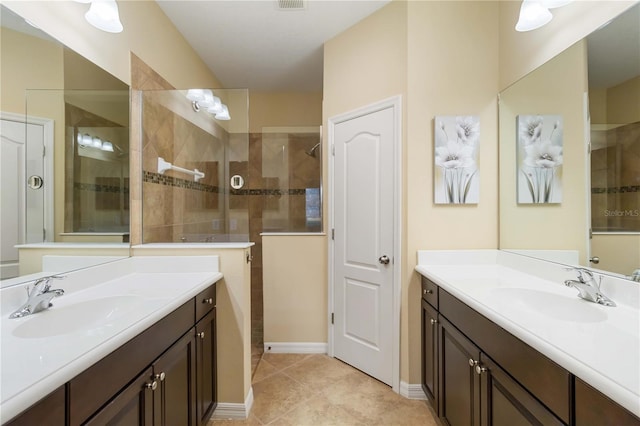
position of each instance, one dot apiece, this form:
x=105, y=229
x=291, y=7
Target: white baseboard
x=295, y=348
x=412, y=391
x=234, y=411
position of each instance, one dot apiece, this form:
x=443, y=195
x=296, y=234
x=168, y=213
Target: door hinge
x=44, y=234
x=333, y=149
x=332, y=317
x=333, y=233
x=44, y=151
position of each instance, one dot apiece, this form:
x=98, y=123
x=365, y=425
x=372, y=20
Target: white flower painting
x=457, y=178
x=539, y=159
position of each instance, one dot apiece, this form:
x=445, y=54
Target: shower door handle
x=35, y=182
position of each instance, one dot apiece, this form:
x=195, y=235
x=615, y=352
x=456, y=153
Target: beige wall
x=447, y=75
x=556, y=88
x=284, y=109
x=623, y=102
x=27, y=63
x=521, y=53
x=615, y=243
x=295, y=288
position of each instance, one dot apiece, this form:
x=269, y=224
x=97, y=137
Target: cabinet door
x=505, y=403
x=206, y=394
x=430, y=353
x=133, y=406
x=459, y=385
x=174, y=399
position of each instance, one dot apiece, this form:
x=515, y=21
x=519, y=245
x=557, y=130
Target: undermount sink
x=89, y=316
x=556, y=306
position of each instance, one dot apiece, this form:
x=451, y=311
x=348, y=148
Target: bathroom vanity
x=153, y=364
x=490, y=357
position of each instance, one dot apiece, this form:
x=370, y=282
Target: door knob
x=384, y=259
x=595, y=260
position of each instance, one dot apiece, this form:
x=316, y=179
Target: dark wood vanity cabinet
x=472, y=388
x=164, y=376
x=476, y=373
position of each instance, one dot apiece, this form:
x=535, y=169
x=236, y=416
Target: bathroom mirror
x=65, y=166
x=595, y=87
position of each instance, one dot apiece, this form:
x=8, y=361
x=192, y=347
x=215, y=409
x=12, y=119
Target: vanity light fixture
x=532, y=15
x=535, y=13
x=87, y=141
x=204, y=98
x=107, y=146
x=103, y=14
x=224, y=114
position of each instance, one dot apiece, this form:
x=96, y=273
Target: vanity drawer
x=205, y=301
x=430, y=292
x=542, y=377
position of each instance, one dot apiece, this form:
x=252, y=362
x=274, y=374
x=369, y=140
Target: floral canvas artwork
x=539, y=159
x=457, y=177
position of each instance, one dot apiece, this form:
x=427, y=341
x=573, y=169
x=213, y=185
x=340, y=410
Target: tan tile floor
x=315, y=390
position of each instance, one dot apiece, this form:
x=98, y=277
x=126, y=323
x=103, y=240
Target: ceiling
x=257, y=45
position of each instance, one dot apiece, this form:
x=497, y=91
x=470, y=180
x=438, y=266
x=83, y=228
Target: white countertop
x=132, y=294
x=599, y=344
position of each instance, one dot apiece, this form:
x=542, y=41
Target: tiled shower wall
x=615, y=181
x=176, y=207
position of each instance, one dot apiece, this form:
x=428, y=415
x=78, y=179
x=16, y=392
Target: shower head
x=312, y=151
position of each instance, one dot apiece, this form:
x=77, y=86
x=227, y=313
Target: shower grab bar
x=163, y=166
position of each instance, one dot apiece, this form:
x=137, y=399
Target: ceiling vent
x=292, y=4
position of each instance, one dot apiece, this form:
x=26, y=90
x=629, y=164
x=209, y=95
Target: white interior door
x=363, y=255
x=23, y=211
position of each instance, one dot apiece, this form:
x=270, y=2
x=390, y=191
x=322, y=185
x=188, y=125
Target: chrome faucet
x=39, y=297
x=588, y=288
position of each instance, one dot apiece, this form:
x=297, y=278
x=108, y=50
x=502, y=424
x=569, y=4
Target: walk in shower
x=226, y=183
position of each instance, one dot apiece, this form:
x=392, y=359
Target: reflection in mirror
x=601, y=190
x=614, y=104
x=56, y=198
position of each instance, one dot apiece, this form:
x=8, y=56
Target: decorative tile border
x=157, y=178
x=618, y=190
x=276, y=192
x=100, y=188
x=154, y=177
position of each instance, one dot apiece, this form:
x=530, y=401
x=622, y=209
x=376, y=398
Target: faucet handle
x=581, y=273
x=45, y=283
